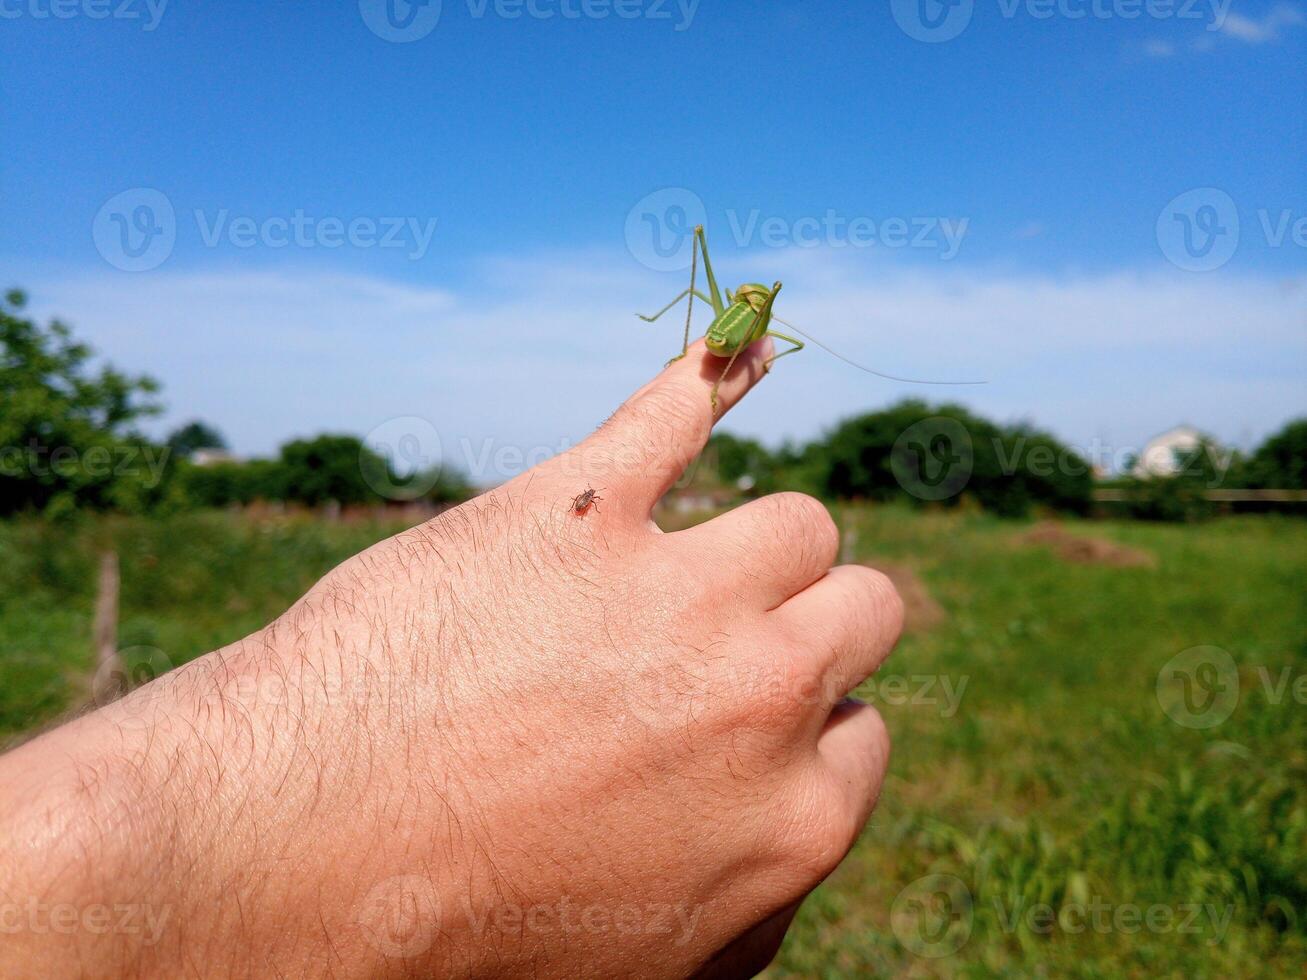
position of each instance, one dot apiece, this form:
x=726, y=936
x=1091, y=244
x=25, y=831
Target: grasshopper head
x=753, y=293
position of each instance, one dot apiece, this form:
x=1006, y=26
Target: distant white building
x=211, y=457
x=1161, y=456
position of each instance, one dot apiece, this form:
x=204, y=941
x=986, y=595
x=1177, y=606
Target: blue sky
x=1007, y=199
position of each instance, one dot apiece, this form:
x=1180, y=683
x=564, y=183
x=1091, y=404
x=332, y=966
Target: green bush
x=945, y=454
x=1280, y=463
x=227, y=483
x=330, y=467
x=1181, y=497
x=312, y=472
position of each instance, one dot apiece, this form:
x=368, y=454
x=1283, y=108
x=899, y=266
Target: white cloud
x=1267, y=29
x=1231, y=26
x=545, y=348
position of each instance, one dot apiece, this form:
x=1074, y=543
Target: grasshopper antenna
x=862, y=367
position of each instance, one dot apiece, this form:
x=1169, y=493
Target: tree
x=1280, y=463
x=195, y=435
x=67, y=436
x=943, y=454
x=330, y=467
x=731, y=458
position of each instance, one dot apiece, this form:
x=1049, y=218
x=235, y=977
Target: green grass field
x=1045, y=814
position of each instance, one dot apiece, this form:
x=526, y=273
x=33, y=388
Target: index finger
x=647, y=444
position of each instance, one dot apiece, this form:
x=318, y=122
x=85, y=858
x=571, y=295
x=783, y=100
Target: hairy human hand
x=524, y=738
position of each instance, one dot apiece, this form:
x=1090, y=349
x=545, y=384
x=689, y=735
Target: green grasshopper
x=746, y=315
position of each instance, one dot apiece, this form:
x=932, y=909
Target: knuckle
x=793, y=642
x=888, y=604
x=823, y=642
x=878, y=603
x=830, y=831
x=762, y=693
x=690, y=581
x=807, y=519
x=878, y=737
x=806, y=511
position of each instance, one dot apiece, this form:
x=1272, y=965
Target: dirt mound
x=1086, y=551
x=920, y=610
